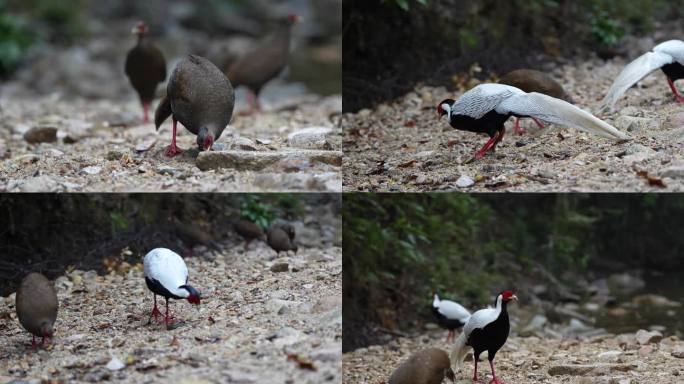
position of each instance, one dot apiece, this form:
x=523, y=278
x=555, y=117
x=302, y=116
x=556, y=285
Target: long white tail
x=557, y=111
x=631, y=74
x=460, y=350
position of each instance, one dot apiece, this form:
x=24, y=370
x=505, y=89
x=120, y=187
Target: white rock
x=92, y=170
x=115, y=364
x=464, y=182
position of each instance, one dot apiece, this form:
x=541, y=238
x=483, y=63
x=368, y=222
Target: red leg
x=146, y=110
x=167, y=318
x=488, y=145
x=155, y=311
x=678, y=98
x=33, y=343
x=173, y=150
x=43, y=343
x=247, y=244
x=494, y=379
x=516, y=127
x=475, y=373
x=498, y=140
x=539, y=123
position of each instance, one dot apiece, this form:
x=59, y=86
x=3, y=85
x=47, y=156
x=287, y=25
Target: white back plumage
x=663, y=53
x=483, y=98
x=451, y=310
x=168, y=268
x=477, y=320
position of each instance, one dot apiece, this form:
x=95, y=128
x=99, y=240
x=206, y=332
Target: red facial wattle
x=208, y=142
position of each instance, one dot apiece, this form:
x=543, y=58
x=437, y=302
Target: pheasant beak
x=514, y=297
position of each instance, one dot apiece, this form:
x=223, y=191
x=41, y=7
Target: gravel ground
x=403, y=146
x=55, y=143
x=255, y=325
x=600, y=359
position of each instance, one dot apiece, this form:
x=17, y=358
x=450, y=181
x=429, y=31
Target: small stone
x=280, y=267
x=167, y=170
x=115, y=364
x=464, y=182
x=92, y=170
x=41, y=135
x=645, y=350
x=114, y=155
x=645, y=337
x=310, y=138
x=678, y=352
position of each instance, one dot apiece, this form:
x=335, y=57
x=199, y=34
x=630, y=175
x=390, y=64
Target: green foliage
x=256, y=210
x=15, y=41
x=404, y=4
x=606, y=30
x=118, y=222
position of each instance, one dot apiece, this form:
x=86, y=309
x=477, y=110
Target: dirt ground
x=81, y=145
x=403, y=146
x=601, y=359
x=255, y=325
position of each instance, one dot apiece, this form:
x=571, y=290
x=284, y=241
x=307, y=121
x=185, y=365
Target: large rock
x=256, y=161
x=654, y=301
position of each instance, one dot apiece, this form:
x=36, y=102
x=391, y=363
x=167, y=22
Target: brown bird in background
x=260, y=65
x=37, y=306
x=530, y=80
x=191, y=234
x=145, y=68
x=201, y=97
x=428, y=366
x=248, y=231
x=281, y=238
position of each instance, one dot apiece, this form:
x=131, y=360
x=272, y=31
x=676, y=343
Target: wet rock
x=587, y=369
x=464, y=182
x=310, y=138
x=41, y=135
x=647, y=337
x=255, y=161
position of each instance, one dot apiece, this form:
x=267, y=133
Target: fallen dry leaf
x=301, y=362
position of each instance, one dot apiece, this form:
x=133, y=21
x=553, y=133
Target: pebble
x=280, y=267
x=678, y=352
x=310, y=138
x=115, y=364
x=647, y=337
x=92, y=170
x=37, y=135
x=465, y=181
